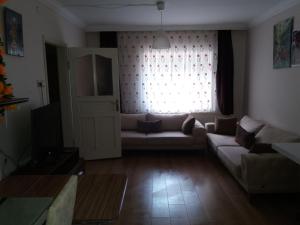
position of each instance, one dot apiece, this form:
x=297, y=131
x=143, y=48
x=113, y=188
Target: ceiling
x=176, y=13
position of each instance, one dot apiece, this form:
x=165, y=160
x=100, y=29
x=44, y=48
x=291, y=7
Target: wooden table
x=289, y=150
x=32, y=185
x=26, y=199
x=99, y=198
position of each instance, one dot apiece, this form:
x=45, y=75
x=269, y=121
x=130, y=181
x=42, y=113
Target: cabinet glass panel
x=104, y=75
x=84, y=76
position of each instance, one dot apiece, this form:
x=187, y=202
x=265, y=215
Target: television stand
x=67, y=162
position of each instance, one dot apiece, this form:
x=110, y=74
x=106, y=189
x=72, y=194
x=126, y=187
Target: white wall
x=239, y=44
x=92, y=39
x=273, y=94
x=38, y=21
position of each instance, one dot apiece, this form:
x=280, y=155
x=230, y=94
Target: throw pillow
x=259, y=148
x=226, y=126
x=244, y=138
x=155, y=126
x=148, y=126
x=251, y=125
x=143, y=126
x=188, y=124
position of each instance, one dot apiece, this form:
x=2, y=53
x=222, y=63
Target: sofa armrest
x=269, y=171
x=210, y=127
x=199, y=134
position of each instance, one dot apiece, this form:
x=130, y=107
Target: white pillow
x=251, y=125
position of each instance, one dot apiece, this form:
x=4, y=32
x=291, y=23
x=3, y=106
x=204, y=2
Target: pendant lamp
x=161, y=40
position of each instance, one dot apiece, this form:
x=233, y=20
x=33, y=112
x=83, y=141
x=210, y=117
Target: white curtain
x=179, y=79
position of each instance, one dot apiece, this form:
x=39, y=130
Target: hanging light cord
x=161, y=20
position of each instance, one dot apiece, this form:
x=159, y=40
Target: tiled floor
x=191, y=189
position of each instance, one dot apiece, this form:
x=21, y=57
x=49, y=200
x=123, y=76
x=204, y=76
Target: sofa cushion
x=269, y=134
x=169, y=138
x=231, y=157
x=244, y=138
x=129, y=121
x=133, y=138
x=226, y=126
x=188, y=124
x=217, y=140
x=170, y=122
x=251, y=125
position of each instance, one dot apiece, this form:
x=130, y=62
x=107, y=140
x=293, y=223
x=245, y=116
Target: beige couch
x=171, y=136
x=257, y=173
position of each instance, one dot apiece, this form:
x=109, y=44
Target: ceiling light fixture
x=161, y=40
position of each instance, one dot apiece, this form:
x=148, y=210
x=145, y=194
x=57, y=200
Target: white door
x=94, y=79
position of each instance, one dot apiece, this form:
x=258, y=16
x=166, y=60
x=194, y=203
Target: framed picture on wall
x=1, y=30
x=13, y=33
x=282, y=44
x=296, y=49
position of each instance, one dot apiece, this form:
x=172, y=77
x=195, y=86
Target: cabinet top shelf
x=13, y=101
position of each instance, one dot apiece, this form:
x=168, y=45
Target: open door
x=58, y=86
x=94, y=79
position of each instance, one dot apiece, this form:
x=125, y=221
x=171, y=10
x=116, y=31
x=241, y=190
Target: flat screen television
x=47, y=137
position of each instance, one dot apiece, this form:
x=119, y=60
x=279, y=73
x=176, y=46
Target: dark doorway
x=52, y=73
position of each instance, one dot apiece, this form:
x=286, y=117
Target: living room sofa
x=171, y=136
x=257, y=173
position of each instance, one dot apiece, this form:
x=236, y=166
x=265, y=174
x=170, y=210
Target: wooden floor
x=191, y=189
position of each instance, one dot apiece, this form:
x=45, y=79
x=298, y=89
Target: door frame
x=70, y=141
x=57, y=44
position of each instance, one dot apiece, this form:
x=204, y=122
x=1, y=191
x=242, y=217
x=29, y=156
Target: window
x=179, y=79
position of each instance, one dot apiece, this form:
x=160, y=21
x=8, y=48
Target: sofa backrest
x=129, y=121
x=206, y=117
x=170, y=122
x=269, y=134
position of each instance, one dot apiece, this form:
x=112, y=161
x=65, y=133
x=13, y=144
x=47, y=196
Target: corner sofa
x=171, y=136
x=257, y=173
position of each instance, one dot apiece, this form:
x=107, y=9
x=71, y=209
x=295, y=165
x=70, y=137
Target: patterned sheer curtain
x=175, y=80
